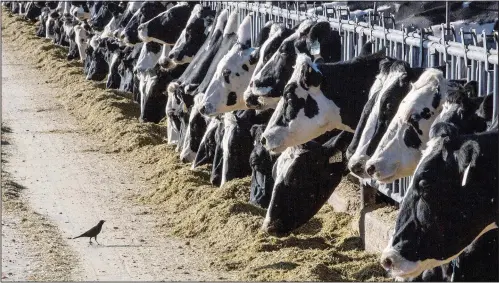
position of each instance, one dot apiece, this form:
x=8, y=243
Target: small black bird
x=92, y=233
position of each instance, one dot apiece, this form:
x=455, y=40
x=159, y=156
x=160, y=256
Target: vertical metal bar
x=495, y=91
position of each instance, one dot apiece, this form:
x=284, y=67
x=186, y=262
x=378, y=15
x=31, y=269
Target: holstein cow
x=319, y=98
x=477, y=263
x=225, y=92
x=207, y=146
x=261, y=163
x=400, y=148
x=198, y=80
x=233, y=47
x=316, y=40
x=305, y=177
x=105, y=13
x=237, y=142
x=430, y=232
x=392, y=84
x=194, y=34
x=147, y=11
x=101, y=59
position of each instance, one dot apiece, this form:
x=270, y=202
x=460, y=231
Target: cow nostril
x=386, y=263
x=171, y=56
x=140, y=28
x=263, y=140
x=370, y=170
x=357, y=168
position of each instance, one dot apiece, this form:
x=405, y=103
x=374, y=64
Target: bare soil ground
x=74, y=186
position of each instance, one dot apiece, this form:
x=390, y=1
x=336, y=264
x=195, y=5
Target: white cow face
x=399, y=151
x=148, y=57
x=225, y=91
x=304, y=112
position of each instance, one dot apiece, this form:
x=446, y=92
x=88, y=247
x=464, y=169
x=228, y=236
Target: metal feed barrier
x=465, y=59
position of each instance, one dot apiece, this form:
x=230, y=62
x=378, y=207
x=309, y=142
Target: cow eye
x=423, y=184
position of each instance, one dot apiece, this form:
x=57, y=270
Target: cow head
x=450, y=203
x=193, y=35
x=193, y=134
x=305, y=177
x=165, y=28
x=224, y=93
x=303, y=113
x=107, y=11
x=80, y=10
x=461, y=112
x=267, y=85
x=147, y=11
x=149, y=55
x=399, y=150
x=387, y=92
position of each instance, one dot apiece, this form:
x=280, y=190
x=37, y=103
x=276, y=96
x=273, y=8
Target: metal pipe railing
x=468, y=59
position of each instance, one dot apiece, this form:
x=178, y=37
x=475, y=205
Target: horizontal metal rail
x=468, y=59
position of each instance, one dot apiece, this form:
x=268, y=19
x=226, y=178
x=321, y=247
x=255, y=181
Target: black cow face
x=206, y=150
x=104, y=15
x=33, y=11
x=154, y=104
x=304, y=180
x=147, y=11
x=193, y=36
x=429, y=231
x=166, y=27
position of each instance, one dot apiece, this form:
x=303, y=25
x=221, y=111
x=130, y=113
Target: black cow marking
x=436, y=99
x=245, y=68
x=231, y=99
x=411, y=138
x=237, y=74
x=311, y=107
x=226, y=75
x=426, y=114
x=414, y=122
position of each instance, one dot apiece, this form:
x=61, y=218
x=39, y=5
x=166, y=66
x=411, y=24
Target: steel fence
x=463, y=54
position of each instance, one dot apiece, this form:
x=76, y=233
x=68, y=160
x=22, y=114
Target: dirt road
x=74, y=186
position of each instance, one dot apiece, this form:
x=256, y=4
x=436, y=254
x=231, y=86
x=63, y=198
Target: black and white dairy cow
x=148, y=10
x=104, y=14
x=196, y=78
x=101, y=58
x=429, y=232
x=400, y=148
x=392, y=84
x=316, y=40
x=319, y=98
x=225, y=92
x=305, y=177
x=180, y=41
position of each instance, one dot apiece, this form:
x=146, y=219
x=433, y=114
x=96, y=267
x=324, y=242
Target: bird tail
x=76, y=237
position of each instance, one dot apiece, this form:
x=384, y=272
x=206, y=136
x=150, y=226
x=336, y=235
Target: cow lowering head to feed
x=399, y=150
x=451, y=201
x=305, y=177
x=319, y=98
x=392, y=84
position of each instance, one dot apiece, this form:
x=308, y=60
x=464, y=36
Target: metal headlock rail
x=468, y=59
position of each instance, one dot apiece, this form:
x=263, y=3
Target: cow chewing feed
x=305, y=177
x=430, y=232
x=319, y=98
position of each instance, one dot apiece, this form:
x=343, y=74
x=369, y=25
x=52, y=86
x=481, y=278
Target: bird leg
x=96, y=240
x=90, y=239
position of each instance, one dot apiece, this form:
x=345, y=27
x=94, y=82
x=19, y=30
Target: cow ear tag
x=465, y=175
x=315, y=49
x=336, y=158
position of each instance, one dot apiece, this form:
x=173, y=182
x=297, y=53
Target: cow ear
x=471, y=89
x=312, y=76
x=467, y=157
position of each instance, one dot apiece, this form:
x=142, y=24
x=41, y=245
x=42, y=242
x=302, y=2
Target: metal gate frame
x=468, y=59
